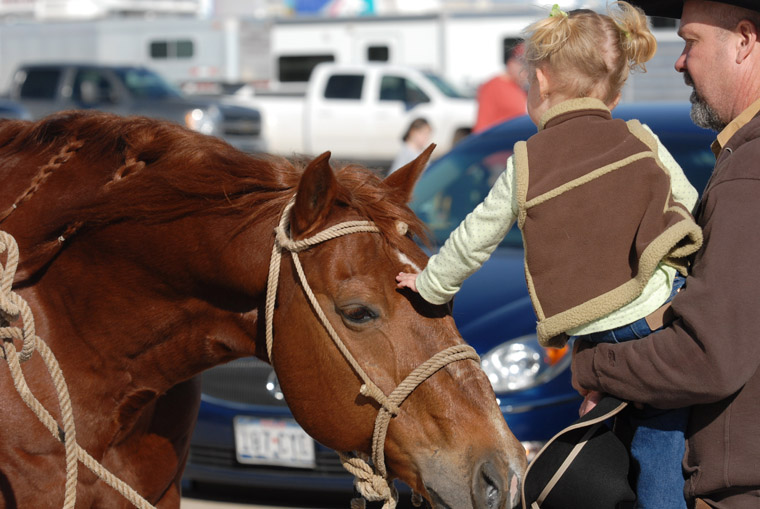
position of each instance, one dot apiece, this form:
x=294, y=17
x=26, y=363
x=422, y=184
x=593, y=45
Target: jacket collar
x=572, y=106
x=734, y=126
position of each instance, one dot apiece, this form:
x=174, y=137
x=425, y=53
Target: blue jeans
x=658, y=442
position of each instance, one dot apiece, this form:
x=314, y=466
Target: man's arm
x=713, y=347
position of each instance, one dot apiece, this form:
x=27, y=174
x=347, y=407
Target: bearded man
x=708, y=357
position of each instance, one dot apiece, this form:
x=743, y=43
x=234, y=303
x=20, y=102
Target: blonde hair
x=587, y=54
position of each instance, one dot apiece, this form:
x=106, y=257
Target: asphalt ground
x=220, y=497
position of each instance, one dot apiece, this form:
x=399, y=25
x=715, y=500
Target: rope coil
x=13, y=307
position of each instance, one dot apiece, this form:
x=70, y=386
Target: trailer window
x=344, y=86
x=299, y=67
x=164, y=49
x=378, y=54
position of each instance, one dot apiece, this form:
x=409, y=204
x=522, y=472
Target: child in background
x=416, y=139
x=604, y=211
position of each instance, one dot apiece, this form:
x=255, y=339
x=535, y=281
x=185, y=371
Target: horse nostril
x=492, y=496
x=488, y=487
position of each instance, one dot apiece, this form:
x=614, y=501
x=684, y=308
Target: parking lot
x=219, y=497
x=235, y=498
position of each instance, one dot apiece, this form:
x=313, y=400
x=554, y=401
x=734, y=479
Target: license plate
x=273, y=442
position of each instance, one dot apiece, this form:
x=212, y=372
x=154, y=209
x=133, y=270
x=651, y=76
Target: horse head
x=447, y=439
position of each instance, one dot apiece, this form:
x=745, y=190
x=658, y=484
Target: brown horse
x=144, y=255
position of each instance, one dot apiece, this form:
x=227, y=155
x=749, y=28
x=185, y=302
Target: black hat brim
x=673, y=8
x=660, y=8
x=584, y=466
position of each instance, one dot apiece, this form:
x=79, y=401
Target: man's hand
x=589, y=402
x=577, y=346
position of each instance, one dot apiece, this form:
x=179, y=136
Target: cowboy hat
x=673, y=8
x=584, y=466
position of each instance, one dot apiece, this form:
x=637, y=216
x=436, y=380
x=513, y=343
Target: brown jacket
x=597, y=217
x=709, y=357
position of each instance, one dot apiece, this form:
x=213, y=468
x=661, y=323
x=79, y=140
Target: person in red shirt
x=503, y=96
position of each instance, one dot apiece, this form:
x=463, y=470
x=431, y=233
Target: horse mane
x=153, y=171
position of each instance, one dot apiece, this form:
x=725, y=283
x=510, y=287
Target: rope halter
x=371, y=479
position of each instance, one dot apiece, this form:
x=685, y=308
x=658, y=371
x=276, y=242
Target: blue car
x=13, y=110
x=242, y=408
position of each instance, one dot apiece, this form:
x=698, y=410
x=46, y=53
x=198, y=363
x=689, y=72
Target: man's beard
x=702, y=113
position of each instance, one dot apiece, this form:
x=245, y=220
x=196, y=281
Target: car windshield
x=444, y=86
x=146, y=84
x=459, y=181
x=455, y=184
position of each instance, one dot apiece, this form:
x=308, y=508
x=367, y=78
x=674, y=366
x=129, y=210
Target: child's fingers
x=405, y=280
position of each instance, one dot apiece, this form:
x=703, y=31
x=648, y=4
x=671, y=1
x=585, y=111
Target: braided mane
x=152, y=171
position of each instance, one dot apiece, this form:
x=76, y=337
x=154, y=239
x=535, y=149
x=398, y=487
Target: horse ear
x=314, y=198
x=404, y=179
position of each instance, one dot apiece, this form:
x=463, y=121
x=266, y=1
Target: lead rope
x=13, y=307
x=371, y=479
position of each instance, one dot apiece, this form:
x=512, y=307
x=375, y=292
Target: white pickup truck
x=361, y=112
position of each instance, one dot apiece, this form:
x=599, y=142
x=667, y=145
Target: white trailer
x=464, y=48
x=203, y=55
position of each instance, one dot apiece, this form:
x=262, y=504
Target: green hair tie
x=556, y=11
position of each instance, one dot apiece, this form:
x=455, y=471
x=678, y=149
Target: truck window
x=444, y=86
x=40, y=83
x=91, y=87
x=397, y=88
x=299, y=67
x=145, y=84
x=344, y=86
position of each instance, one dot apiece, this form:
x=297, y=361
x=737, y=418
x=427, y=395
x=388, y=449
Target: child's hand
x=405, y=280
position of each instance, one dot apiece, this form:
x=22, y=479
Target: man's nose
x=680, y=64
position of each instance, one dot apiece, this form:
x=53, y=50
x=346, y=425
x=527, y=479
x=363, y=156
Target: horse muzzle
x=490, y=484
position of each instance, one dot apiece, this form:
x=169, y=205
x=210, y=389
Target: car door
x=94, y=88
x=392, y=111
x=338, y=118
x=40, y=89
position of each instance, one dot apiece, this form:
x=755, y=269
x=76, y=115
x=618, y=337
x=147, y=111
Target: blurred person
x=605, y=215
x=503, y=96
x=415, y=140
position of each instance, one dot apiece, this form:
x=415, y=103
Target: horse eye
x=358, y=314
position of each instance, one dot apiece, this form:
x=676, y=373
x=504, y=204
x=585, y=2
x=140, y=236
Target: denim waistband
x=635, y=330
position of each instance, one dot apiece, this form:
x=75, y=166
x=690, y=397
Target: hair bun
x=637, y=40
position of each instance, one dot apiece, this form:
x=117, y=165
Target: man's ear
x=747, y=40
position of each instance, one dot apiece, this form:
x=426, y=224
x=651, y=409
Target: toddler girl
x=604, y=211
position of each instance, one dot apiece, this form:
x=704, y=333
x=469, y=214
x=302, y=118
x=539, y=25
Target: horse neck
x=160, y=303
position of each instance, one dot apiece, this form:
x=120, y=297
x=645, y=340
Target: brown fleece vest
x=597, y=217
